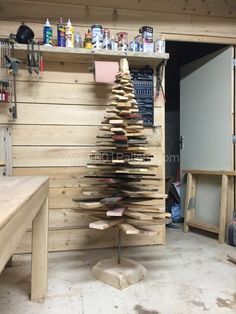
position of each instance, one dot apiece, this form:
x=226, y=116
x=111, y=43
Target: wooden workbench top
x=211, y=172
x=15, y=192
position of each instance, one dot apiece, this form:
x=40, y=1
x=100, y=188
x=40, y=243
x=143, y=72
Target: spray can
x=61, y=33
x=69, y=35
x=47, y=34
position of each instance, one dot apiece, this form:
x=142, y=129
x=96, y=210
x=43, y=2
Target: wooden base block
x=121, y=275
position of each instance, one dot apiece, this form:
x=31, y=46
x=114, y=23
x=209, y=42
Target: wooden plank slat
x=55, y=135
x=65, y=177
x=60, y=93
x=203, y=225
x=180, y=19
x=47, y=156
x=74, y=239
x=60, y=72
x=32, y=113
x=211, y=172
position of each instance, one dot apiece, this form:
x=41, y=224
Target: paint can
x=146, y=32
x=97, y=36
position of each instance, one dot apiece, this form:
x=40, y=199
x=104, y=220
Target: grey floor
x=189, y=275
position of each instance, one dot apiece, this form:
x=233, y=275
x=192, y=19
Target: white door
x=206, y=125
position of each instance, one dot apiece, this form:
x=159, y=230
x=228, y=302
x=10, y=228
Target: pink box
x=105, y=71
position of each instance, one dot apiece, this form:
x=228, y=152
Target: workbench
x=24, y=203
x=225, y=211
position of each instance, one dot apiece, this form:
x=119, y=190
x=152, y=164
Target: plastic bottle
x=78, y=39
x=88, y=40
x=61, y=33
x=69, y=35
x=47, y=34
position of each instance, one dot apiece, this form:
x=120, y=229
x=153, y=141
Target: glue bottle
x=61, y=40
x=69, y=35
x=47, y=34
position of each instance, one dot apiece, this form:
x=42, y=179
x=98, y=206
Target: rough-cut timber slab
x=119, y=276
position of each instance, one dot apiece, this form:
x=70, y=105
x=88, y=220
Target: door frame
x=216, y=40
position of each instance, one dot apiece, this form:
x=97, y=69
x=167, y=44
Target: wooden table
x=226, y=211
x=24, y=203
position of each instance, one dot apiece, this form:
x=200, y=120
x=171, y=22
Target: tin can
x=160, y=46
x=97, y=36
x=146, y=32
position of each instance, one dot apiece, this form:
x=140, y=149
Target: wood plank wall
x=58, y=116
x=58, y=120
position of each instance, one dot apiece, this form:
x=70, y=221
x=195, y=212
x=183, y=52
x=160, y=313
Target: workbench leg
x=223, y=208
x=230, y=206
x=39, y=276
x=187, y=213
x=9, y=263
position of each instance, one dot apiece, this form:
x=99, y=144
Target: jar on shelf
x=122, y=38
x=106, y=38
x=97, y=36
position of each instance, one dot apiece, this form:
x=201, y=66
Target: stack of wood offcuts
x=121, y=187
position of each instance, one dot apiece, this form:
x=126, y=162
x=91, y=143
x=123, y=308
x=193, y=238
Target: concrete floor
x=189, y=275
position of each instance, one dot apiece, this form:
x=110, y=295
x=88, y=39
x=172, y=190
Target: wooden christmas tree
x=121, y=186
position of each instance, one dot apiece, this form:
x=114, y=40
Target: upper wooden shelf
x=63, y=54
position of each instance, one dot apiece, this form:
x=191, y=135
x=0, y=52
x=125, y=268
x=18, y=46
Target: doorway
x=194, y=58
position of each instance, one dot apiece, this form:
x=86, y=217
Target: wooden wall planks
x=75, y=239
x=193, y=17
x=58, y=120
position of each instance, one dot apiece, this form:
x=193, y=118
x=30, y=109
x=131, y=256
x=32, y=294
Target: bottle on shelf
x=61, y=33
x=88, y=40
x=69, y=35
x=78, y=42
x=47, y=34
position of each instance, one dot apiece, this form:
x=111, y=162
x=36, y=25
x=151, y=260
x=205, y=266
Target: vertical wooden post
x=6, y=150
x=187, y=213
x=223, y=208
x=39, y=254
x=230, y=205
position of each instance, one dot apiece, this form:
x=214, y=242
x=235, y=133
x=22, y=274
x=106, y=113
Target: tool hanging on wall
x=9, y=67
x=160, y=74
x=34, y=59
x=12, y=64
x=4, y=80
